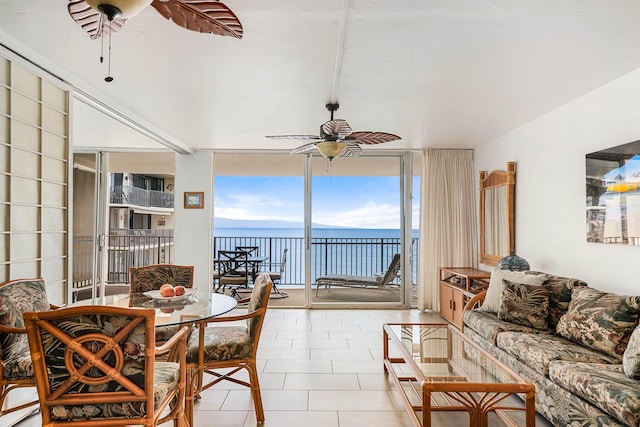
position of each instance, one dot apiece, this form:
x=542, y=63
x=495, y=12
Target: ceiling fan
x=211, y=17
x=337, y=139
x=99, y=17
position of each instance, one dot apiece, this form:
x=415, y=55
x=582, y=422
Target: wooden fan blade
x=370, y=138
x=351, y=150
x=294, y=137
x=210, y=17
x=304, y=148
x=92, y=21
x=337, y=127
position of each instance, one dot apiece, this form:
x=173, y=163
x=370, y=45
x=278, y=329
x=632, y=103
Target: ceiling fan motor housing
x=326, y=136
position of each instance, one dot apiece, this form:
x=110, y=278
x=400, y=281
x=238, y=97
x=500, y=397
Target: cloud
x=247, y=206
x=370, y=215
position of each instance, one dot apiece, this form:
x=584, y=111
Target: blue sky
x=348, y=201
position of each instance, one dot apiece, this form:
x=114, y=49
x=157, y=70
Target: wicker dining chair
x=151, y=277
x=96, y=366
x=222, y=346
x=16, y=369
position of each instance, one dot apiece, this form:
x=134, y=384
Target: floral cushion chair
x=230, y=346
x=96, y=366
x=151, y=277
x=16, y=369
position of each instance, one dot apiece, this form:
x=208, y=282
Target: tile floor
x=317, y=368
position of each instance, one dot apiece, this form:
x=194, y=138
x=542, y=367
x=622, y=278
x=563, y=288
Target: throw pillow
x=631, y=358
x=491, y=302
x=524, y=305
x=599, y=320
x=559, y=295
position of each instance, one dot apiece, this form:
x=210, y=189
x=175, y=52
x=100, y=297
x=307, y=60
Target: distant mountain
x=244, y=223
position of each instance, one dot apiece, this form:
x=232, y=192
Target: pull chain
x=102, y=44
x=109, y=79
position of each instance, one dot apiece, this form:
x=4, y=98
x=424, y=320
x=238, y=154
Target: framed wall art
x=193, y=199
x=613, y=195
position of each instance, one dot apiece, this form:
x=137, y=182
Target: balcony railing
x=356, y=256
x=128, y=195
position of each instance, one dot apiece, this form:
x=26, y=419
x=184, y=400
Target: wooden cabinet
x=457, y=286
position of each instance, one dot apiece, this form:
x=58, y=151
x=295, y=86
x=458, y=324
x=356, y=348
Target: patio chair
x=381, y=281
x=96, y=366
x=276, y=275
x=231, y=348
x=16, y=368
x=235, y=272
x=151, y=277
x=250, y=250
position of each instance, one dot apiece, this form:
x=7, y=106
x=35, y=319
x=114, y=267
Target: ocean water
x=355, y=251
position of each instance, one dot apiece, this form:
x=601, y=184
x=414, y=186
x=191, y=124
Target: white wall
x=550, y=184
x=192, y=238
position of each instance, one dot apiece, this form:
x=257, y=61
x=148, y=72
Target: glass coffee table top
x=442, y=354
x=436, y=368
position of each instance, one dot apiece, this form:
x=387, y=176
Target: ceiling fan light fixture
x=331, y=149
x=119, y=8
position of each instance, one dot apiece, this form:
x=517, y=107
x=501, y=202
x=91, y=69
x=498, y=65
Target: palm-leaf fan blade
x=93, y=22
x=338, y=128
x=304, y=148
x=371, y=138
x=201, y=16
x=294, y=137
x=351, y=150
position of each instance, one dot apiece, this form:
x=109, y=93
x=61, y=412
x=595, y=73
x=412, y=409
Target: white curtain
x=448, y=220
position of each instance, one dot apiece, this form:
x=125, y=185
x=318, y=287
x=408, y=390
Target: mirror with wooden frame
x=497, y=209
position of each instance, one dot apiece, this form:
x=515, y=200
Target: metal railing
x=355, y=256
x=128, y=195
x=136, y=248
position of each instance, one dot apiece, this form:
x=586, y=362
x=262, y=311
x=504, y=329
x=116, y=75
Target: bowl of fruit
x=168, y=292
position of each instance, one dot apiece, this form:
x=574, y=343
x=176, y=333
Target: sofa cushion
x=491, y=301
x=555, y=403
x=599, y=320
x=537, y=350
x=559, y=294
x=606, y=386
x=524, y=305
x=487, y=325
x=631, y=357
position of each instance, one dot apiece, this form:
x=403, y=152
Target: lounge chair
x=347, y=280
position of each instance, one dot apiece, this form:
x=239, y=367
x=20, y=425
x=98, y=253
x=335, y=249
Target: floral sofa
x=578, y=345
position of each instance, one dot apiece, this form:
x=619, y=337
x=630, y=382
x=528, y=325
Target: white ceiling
x=439, y=73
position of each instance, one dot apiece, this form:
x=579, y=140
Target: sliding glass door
x=310, y=220
x=356, y=231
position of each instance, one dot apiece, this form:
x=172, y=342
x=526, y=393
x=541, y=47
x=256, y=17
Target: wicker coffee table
x=437, y=368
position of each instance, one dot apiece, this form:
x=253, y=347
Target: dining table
x=189, y=308
x=253, y=261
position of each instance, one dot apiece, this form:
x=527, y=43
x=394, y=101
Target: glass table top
x=441, y=353
x=198, y=306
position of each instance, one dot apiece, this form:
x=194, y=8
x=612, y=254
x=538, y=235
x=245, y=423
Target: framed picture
x=193, y=199
x=613, y=195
